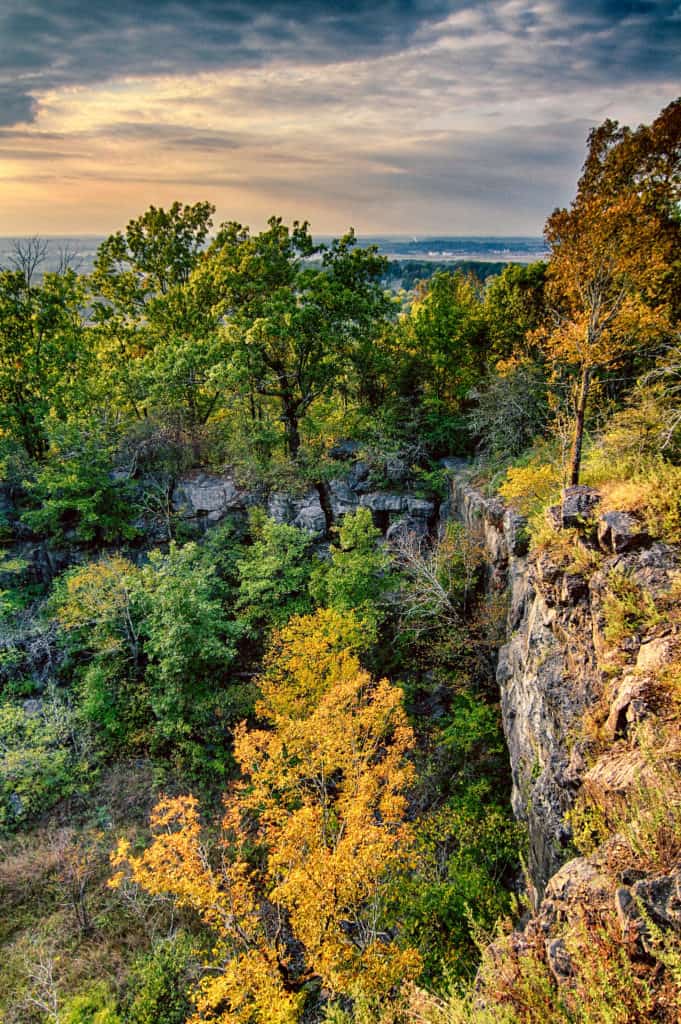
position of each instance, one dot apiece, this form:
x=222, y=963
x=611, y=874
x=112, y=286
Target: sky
x=393, y=116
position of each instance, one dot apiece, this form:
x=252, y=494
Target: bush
x=358, y=575
x=511, y=409
x=653, y=492
x=77, y=491
x=38, y=761
x=463, y=852
x=158, y=984
x=628, y=608
x=95, y=1006
x=531, y=486
x=274, y=575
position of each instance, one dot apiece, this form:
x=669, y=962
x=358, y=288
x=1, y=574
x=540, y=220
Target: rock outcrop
x=204, y=499
x=559, y=662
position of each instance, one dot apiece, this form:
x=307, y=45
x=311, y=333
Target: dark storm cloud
x=48, y=43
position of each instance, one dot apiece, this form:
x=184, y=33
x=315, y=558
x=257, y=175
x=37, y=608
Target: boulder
x=305, y=512
x=652, y=654
x=516, y=533
x=357, y=478
x=660, y=897
x=397, y=530
x=396, y=470
x=620, y=531
x=579, y=883
x=559, y=961
x=420, y=508
x=309, y=514
x=379, y=501
x=655, y=899
x=628, y=707
x=208, y=495
x=342, y=499
x=344, y=450
x=578, y=504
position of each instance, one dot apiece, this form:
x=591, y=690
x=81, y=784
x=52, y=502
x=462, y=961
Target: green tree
x=274, y=574
x=142, y=294
x=296, y=325
x=76, y=489
x=44, y=353
x=190, y=644
x=514, y=306
x=359, y=573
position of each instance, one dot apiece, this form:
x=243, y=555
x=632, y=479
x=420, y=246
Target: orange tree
x=612, y=253
x=311, y=837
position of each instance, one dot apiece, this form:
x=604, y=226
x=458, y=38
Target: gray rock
x=420, y=508
x=516, y=533
x=344, y=450
x=652, y=654
x=559, y=961
x=205, y=493
x=660, y=897
x=629, y=706
x=655, y=899
x=309, y=514
x=16, y=804
x=379, y=501
x=396, y=470
x=574, y=588
x=397, y=530
x=578, y=504
x=305, y=512
x=620, y=531
x=342, y=499
x=453, y=464
x=357, y=478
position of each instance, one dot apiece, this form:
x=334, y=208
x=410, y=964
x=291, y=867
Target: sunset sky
x=431, y=116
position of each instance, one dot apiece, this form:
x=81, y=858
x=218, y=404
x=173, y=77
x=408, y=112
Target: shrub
x=95, y=1006
x=530, y=486
x=274, y=574
x=628, y=607
x=511, y=409
x=159, y=982
x=654, y=492
x=76, y=490
x=358, y=575
x=38, y=761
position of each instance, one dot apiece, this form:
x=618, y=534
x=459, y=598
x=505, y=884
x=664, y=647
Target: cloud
x=47, y=44
x=16, y=106
x=391, y=114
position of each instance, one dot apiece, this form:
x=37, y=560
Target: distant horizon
x=406, y=246
x=399, y=236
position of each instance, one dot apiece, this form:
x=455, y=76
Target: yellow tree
x=611, y=253
x=323, y=802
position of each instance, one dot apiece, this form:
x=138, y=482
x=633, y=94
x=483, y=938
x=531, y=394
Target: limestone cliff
x=571, y=693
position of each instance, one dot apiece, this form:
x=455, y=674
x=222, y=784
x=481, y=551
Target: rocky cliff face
x=204, y=498
x=560, y=664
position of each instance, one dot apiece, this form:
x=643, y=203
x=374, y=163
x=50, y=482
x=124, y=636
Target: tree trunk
x=290, y=418
x=580, y=409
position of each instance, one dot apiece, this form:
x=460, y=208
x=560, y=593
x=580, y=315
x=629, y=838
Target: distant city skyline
x=398, y=117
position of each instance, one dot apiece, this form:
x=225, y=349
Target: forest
x=252, y=764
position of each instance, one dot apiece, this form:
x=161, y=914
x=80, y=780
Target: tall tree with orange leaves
x=311, y=837
x=614, y=255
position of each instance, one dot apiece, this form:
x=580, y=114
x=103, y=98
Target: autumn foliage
x=294, y=890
